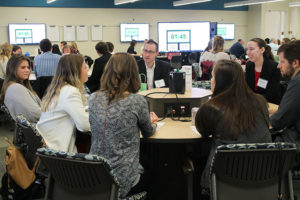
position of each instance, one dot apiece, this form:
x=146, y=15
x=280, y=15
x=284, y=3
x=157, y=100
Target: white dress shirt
x=150, y=76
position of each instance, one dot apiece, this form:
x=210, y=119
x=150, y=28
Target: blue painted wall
x=143, y=4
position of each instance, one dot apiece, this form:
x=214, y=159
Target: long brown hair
x=262, y=44
x=233, y=101
x=11, y=74
x=120, y=75
x=218, y=44
x=68, y=72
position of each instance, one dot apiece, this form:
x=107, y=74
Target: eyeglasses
x=150, y=52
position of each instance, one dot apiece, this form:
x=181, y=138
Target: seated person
x=94, y=81
x=130, y=49
x=237, y=48
x=16, y=49
x=209, y=58
x=117, y=115
x=262, y=74
x=234, y=114
x=154, y=70
x=287, y=117
x=17, y=93
x=63, y=105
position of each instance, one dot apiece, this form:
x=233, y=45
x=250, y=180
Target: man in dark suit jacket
x=94, y=80
x=237, y=48
x=156, y=71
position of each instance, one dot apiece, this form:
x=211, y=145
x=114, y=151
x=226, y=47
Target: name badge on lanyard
x=262, y=83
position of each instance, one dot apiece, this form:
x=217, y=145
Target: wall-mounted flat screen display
x=183, y=36
x=226, y=31
x=138, y=32
x=26, y=33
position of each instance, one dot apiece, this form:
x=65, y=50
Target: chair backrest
x=78, y=176
x=31, y=139
x=206, y=67
x=41, y=84
x=193, y=58
x=250, y=171
x=176, y=61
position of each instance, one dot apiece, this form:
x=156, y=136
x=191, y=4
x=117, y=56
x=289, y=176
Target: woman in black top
x=234, y=114
x=131, y=47
x=262, y=74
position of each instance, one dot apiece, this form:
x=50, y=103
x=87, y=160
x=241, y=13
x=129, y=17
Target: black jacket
x=131, y=50
x=270, y=73
x=94, y=81
x=161, y=71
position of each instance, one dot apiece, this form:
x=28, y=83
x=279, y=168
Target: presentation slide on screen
x=138, y=32
x=183, y=36
x=26, y=33
x=226, y=31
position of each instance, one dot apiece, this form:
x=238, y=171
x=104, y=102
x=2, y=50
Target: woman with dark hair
x=55, y=49
x=117, y=115
x=262, y=74
x=17, y=93
x=234, y=114
x=94, y=81
x=63, y=105
x=130, y=49
x=16, y=49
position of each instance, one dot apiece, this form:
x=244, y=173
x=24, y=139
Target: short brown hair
x=291, y=50
x=120, y=75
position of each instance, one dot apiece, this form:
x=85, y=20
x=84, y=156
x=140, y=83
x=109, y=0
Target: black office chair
x=41, y=84
x=251, y=171
x=176, y=62
x=79, y=176
x=32, y=140
x=195, y=66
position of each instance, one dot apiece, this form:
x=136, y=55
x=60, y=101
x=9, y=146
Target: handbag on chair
x=17, y=167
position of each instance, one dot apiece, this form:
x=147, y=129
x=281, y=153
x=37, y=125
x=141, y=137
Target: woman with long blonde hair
x=5, y=54
x=17, y=93
x=209, y=58
x=63, y=105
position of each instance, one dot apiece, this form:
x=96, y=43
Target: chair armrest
x=139, y=196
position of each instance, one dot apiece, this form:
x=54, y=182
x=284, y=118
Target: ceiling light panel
x=187, y=2
x=247, y=3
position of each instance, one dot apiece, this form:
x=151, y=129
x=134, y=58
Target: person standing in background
x=5, y=54
x=74, y=48
x=130, y=49
x=45, y=64
x=110, y=47
x=16, y=49
x=94, y=81
x=55, y=49
x=62, y=44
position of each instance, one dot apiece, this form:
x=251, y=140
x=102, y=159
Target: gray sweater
x=121, y=143
x=20, y=100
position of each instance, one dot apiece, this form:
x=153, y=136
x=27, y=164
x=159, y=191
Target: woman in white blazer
x=63, y=106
